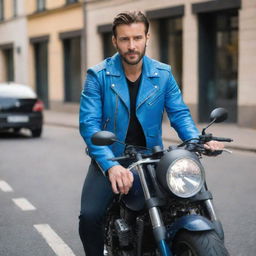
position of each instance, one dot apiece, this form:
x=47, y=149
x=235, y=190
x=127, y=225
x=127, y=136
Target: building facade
x=41, y=45
x=13, y=41
x=210, y=45
x=55, y=42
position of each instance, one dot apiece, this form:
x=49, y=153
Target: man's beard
x=132, y=62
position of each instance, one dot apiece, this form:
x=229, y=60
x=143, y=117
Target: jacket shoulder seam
x=99, y=67
x=161, y=65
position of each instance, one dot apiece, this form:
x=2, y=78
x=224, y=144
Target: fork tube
x=154, y=211
x=155, y=217
x=210, y=209
x=164, y=248
x=143, y=182
x=209, y=206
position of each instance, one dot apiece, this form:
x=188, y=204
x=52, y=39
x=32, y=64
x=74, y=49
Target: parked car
x=20, y=108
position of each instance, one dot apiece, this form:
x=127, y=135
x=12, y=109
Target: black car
x=20, y=108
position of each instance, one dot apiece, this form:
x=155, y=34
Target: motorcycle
x=169, y=209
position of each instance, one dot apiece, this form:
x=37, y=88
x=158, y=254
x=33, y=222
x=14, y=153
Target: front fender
x=191, y=223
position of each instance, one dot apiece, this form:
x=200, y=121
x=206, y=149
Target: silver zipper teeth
x=116, y=110
x=128, y=111
x=106, y=123
x=146, y=99
x=128, y=125
x=152, y=102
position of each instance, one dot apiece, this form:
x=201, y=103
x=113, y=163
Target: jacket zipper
x=116, y=111
x=155, y=99
x=106, y=123
x=146, y=99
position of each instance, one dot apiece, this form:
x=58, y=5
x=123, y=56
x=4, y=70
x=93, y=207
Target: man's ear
x=114, y=41
x=147, y=38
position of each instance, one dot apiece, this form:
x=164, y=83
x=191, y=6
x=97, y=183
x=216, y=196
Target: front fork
x=213, y=216
x=159, y=229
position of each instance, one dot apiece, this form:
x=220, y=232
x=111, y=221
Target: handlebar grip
x=212, y=153
x=119, y=158
x=222, y=139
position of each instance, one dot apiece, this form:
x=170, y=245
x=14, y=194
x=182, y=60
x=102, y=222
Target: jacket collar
x=114, y=66
x=148, y=86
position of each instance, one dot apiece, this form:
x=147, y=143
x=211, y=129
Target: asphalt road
x=41, y=181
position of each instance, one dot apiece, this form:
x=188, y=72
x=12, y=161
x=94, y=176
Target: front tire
x=16, y=130
x=36, y=133
x=204, y=243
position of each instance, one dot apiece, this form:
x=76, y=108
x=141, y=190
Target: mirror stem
x=203, y=132
x=119, y=142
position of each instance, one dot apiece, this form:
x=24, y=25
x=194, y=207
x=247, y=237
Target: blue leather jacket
x=105, y=105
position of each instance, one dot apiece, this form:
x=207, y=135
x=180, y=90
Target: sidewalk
x=244, y=138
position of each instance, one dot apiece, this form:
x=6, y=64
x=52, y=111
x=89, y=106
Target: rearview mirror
x=219, y=115
x=103, y=138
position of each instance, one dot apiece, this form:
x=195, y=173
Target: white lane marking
x=5, y=187
x=53, y=240
x=24, y=204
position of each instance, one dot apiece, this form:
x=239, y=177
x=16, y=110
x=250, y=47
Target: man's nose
x=131, y=44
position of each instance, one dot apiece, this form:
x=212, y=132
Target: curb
x=62, y=125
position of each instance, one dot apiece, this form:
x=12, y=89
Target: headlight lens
x=185, y=177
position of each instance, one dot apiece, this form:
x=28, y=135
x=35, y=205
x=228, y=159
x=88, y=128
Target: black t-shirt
x=135, y=134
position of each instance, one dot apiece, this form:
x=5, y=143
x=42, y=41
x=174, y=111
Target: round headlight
x=185, y=177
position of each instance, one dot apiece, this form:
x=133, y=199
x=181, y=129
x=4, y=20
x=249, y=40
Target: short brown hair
x=128, y=18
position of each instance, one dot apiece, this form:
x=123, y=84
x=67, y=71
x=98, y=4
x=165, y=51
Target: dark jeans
x=97, y=195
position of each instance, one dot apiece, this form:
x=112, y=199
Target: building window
x=72, y=68
x=170, y=30
x=14, y=5
x=40, y=5
x=1, y=10
x=71, y=1
x=9, y=64
x=106, y=35
x=40, y=47
x=108, y=47
x=226, y=62
x=218, y=63
x=41, y=70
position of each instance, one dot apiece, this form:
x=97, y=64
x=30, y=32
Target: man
x=125, y=94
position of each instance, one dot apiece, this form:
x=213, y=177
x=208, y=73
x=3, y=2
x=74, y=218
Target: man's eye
x=123, y=39
x=138, y=38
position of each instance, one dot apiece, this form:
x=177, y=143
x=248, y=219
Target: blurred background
x=210, y=45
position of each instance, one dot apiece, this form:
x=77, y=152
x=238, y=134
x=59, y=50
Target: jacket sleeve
x=178, y=113
x=90, y=120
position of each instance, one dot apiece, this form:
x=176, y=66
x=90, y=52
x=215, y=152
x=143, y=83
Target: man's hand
x=121, y=179
x=214, y=145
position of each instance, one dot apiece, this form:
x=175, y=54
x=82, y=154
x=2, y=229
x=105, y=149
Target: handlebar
x=126, y=157
x=195, y=144
x=222, y=139
x=208, y=137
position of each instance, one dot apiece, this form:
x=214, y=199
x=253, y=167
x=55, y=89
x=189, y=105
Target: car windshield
x=16, y=91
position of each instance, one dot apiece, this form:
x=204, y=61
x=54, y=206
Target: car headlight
x=184, y=177
x=180, y=172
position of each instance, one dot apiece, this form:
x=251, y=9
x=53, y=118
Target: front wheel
x=36, y=132
x=204, y=243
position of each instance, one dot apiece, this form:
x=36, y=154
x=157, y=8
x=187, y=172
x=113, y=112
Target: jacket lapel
x=120, y=87
x=149, y=83
x=118, y=80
